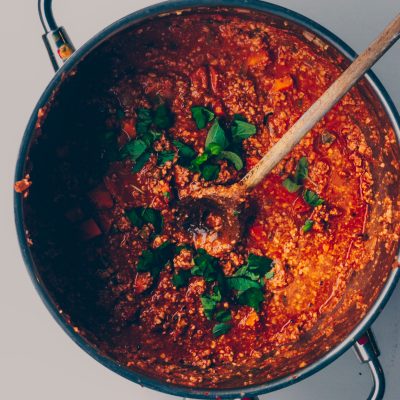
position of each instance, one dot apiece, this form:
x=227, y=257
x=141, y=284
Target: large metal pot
x=61, y=50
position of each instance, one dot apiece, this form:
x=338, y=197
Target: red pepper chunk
x=89, y=229
x=101, y=197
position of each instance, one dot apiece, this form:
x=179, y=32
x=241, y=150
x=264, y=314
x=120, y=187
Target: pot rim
x=137, y=377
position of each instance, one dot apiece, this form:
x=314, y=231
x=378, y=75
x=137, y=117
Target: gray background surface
x=37, y=359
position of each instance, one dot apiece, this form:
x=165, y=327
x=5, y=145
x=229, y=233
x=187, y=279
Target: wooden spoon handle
x=332, y=95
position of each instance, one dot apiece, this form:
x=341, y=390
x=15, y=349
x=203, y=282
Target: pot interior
x=66, y=161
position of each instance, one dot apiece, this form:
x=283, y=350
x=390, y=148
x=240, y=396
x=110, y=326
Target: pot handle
x=367, y=351
x=55, y=38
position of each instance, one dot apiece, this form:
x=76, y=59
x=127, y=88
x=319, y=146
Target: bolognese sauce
x=189, y=101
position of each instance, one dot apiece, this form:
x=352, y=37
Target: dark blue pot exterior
x=18, y=210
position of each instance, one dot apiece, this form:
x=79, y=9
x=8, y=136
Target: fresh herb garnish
x=140, y=149
x=144, y=120
x=259, y=264
x=185, y=153
x=141, y=161
x=134, y=149
x=214, y=149
x=154, y=260
x=202, y=116
x=242, y=130
x=239, y=117
x=210, y=302
x=181, y=279
x=216, y=135
x=220, y=144
x=210, y=172
x=312, y=198
x=164, y=156
x=233, y=158
x=246, y=285
x=163, y=118
x=223, y=315
x=308, y=225
x=301, y=171
x=290, y=185
x=140, y=216
x=242, y=283
x=205, y=266
x=221, y=329
x=252, y=297
x=293, y=184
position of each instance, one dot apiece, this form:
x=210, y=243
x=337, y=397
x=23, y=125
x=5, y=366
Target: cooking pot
x=355, y=333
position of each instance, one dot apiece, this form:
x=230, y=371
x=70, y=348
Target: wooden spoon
x=228, y=201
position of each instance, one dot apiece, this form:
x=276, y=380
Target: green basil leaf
x=201, y=116
x=144, y=120
x=216, y=135
x=135, y=218
x=181, y=279
x=134, y=149
x=221, y=329
x=205, y=266
x=152, y=216
x=214, y=149
x=216, y=294
x=210, y=172
x=239, y=117
x=233, y=158
x=301, y=171
x=184, y=150
x=241, y=284
x=259, y=264
x=154, y=260
x=201, y=159
x=252, y=297
x=243, y=271
x=312, y=198
x=140, y=216
x=308, y=225
x=141, y=161
x=164, y=156
x=242, y=130
x=223, y=316
x=163, y=118
x=209, y=306
x=290, y=186
x=269, y=275
x=150, y=137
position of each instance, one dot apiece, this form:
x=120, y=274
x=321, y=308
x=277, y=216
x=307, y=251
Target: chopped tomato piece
x=105, y=219
x=89, y=229
x=101, y=197
x=257, y=231
x=282, y=83
x=129, y=128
